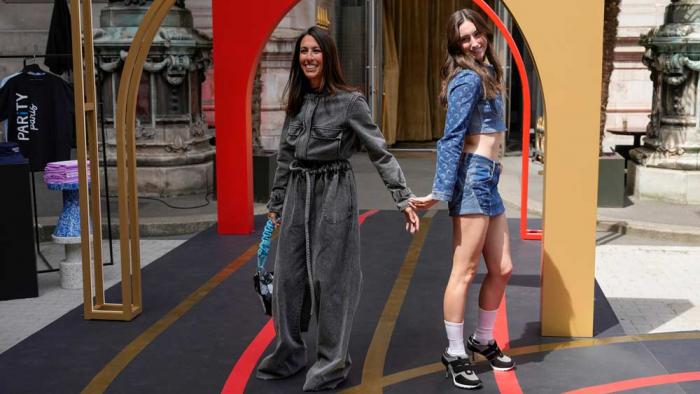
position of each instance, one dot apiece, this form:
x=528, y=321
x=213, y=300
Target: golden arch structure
x=565, y=39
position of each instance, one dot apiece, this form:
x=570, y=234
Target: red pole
x=525, y=233
x=241, y=29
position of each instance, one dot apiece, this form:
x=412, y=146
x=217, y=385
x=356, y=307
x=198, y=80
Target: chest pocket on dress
x=293, y=132
x=324, y=143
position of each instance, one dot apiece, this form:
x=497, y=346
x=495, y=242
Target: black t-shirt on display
x=39, y=109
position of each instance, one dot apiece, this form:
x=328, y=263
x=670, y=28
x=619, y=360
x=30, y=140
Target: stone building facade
x=630, y=84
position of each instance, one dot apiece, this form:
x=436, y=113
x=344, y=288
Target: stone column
x=668, y=165
x=174, y=154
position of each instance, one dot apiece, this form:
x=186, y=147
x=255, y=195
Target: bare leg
x=468, y=237
x=498, y=263
x=499, y=267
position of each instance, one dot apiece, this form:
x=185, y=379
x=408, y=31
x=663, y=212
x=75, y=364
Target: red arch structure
x=237, y=48
x=241, y=29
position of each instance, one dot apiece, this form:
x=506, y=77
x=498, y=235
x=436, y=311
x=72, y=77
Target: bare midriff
x=487, y=145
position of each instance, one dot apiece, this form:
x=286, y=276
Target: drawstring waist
x=319, y=167
x=309, y=168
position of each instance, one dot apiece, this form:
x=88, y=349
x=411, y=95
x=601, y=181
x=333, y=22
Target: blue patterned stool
x=68, y=225
x=67, y=233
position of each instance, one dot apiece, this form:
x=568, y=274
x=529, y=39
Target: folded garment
x=56, y=178
x=57, y=165
x=59, y=172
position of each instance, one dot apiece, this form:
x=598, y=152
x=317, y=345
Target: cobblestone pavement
x=22, y=318
x=651, y=288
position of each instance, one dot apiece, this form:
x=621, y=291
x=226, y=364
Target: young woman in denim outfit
x=317, y=269
x=467, y=177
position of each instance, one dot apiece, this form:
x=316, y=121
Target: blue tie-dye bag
x=262, y=278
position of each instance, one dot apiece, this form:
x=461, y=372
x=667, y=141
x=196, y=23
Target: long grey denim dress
x=317, y=268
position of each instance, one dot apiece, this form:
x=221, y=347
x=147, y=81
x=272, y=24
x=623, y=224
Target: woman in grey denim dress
x=317, y=269
x=467, y=177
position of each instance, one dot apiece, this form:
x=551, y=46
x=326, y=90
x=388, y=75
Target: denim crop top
x=468, y=112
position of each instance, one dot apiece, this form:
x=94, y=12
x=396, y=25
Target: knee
x=502, y=274
x=506, y=271
x=466, y=276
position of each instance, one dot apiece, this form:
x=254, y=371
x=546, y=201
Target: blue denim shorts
x=476, y=189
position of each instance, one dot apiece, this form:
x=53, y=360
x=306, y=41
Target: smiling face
x=311, y=60
x=472, y=40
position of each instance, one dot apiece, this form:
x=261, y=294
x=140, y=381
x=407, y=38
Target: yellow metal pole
x=126, y=154
x=124, y=100
x=152, y=27
x=78, y=96
x=91, y=129
x=86, y=130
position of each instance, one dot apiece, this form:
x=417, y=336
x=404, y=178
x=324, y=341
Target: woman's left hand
x=423, y=203
x=412, y=220
x=274, y=216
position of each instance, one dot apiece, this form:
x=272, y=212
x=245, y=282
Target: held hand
x=423, y=203
x=273, y=216
x=412, y=220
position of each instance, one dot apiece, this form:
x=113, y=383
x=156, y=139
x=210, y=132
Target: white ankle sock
x=455, y=335
x=484, y=329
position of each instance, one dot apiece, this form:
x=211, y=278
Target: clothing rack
x=104, y=169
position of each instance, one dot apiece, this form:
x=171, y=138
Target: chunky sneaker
x=491, y=351
x=461, y=371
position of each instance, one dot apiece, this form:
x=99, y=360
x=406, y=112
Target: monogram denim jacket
x=468, y=112
x=333, y=127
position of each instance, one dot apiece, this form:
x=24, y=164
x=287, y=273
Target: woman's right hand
x=423, y=203
x=275, y=219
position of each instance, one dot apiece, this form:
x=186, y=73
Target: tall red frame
x=525, y=233
x=241, y=29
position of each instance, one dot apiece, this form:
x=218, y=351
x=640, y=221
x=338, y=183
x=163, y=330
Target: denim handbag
x=263, y=279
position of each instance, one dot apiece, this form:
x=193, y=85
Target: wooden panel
x=568, y=59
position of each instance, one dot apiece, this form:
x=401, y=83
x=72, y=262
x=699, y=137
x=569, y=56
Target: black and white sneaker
x=461, y=371
x=491, y=351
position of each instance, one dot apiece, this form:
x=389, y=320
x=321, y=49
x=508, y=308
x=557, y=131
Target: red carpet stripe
x=238, y=378
x=240, y=374
x=507, y=381
x=367, y=214
x=637, y=383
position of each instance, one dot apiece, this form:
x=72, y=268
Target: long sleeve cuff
x=442, y=196
x=401, y=197
x=276, y=201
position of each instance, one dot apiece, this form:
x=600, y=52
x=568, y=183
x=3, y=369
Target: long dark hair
x=457, y=59
x=333, y=80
